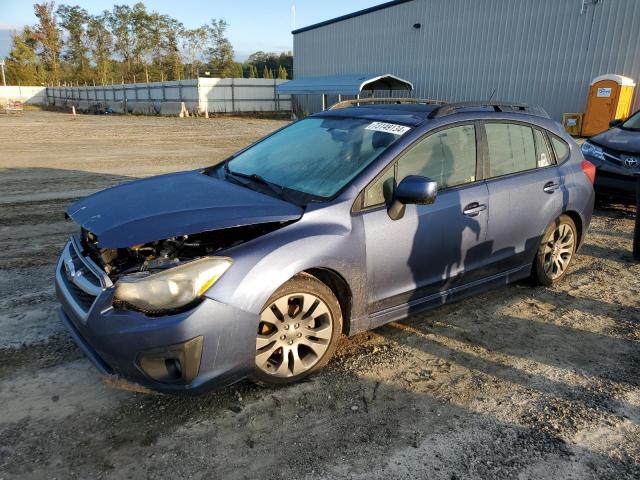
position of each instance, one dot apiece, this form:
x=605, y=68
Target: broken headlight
x=172, y=288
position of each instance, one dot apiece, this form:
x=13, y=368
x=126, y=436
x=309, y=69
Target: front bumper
x=614, y=180
x=116, y=341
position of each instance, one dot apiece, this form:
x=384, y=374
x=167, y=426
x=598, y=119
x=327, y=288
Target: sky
x=253, y=24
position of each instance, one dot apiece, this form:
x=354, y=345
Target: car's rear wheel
x=298, y=331
x=556, y=251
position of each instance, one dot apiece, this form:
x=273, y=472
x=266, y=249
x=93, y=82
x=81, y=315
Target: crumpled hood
x=619, y=139
x=176, y=204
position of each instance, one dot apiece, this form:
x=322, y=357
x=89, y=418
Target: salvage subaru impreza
x=335, y=224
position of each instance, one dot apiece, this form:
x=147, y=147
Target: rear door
x=525, y=192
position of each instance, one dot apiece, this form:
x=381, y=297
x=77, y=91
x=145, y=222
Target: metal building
x=535, y=51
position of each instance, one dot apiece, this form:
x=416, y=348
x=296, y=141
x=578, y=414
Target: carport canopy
x=343, y=84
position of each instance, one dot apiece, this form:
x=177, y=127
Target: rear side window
x=511, y=148
x=560, y=147
x=543, y=155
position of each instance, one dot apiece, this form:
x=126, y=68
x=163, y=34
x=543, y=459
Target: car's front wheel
x=556, y=251
x=298, y=331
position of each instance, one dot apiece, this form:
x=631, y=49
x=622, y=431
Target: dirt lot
x=518, y=383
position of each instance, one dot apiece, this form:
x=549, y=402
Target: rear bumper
x=117, y=340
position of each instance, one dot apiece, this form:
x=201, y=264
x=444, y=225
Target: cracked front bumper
x=116, y=340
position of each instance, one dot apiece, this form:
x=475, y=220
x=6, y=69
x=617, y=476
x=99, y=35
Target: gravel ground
x=518, y=383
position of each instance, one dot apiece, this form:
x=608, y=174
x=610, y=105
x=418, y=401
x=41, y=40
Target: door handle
x=474, y=209
x=550, y=187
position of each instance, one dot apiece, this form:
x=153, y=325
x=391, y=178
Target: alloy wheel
x=558, y=251
x=293, y=334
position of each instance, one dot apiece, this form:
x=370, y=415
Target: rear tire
x=556, y=251
x=298, y=332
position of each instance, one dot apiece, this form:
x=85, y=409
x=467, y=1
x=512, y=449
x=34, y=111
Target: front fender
x=264, y=264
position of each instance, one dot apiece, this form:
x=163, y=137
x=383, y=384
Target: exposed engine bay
x=167, y=253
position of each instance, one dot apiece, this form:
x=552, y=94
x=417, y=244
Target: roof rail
x=510, y=107
x=366, y=101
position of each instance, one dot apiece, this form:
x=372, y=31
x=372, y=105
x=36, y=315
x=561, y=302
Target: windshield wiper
x=254, y=177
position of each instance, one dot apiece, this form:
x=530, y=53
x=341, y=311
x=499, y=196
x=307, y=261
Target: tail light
x=589, y=170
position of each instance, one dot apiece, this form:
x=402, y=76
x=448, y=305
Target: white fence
x=213, y=95
x=27, y=95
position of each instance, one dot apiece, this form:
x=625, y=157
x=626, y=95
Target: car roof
x=414, y=114
x=404, y=114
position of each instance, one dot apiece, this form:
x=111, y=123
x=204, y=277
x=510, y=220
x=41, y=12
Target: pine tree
x=267, y=73
x=282, y=73
x=252, y=71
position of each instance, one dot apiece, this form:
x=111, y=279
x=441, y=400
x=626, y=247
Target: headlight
x=172, y=288
x=592, y=150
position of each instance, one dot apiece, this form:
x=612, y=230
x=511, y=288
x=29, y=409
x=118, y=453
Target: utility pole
x=636, y=230
x=4, y=81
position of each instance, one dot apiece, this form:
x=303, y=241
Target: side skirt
x=455, y=294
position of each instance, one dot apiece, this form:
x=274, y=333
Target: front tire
x=298, y=332
x=556, y=251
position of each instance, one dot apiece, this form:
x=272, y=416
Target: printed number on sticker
x=388, y=128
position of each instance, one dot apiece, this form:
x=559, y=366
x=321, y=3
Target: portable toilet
x=609, y=99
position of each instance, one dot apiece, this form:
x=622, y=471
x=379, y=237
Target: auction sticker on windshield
x=388, y=128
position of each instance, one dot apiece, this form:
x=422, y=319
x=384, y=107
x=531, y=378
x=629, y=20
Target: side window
x=381, y=190
x=447, y=157
x=560, y=147
x=543, y=155
x=511, y=148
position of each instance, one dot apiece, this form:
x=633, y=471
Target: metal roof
x=350, y=15
x=343, y=84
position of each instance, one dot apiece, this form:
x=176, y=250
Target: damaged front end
x=171, y=275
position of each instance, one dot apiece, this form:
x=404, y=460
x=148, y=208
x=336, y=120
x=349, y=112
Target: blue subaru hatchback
x=335, y=224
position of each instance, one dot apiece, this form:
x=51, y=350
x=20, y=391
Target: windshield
x=317, y=156
x=633, y=123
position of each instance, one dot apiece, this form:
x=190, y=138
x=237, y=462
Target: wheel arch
x=340, y=288
x=577, y=219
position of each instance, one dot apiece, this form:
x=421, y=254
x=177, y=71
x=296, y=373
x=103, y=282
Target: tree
x=120, y=23
x=272, y=61
x=236, y=71
x=23, y=65
x=267, y=73
x=47, y=34
x=143, y=41
x=163, y=43
x=286, y=60
x=252, y=72
x=194, y=44
x=220, y=52
x=100, y=45
x=74, y=21
x=282, y=73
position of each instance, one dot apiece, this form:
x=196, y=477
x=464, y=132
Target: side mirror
x=616, y=122
x=412, y=190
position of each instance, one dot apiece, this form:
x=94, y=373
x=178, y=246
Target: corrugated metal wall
x=536, y=51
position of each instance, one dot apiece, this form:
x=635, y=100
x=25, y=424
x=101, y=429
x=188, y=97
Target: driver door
x=432, y=248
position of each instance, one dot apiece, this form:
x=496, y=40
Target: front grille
x=82, y=280
x=84, y=299
x=618, y=157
